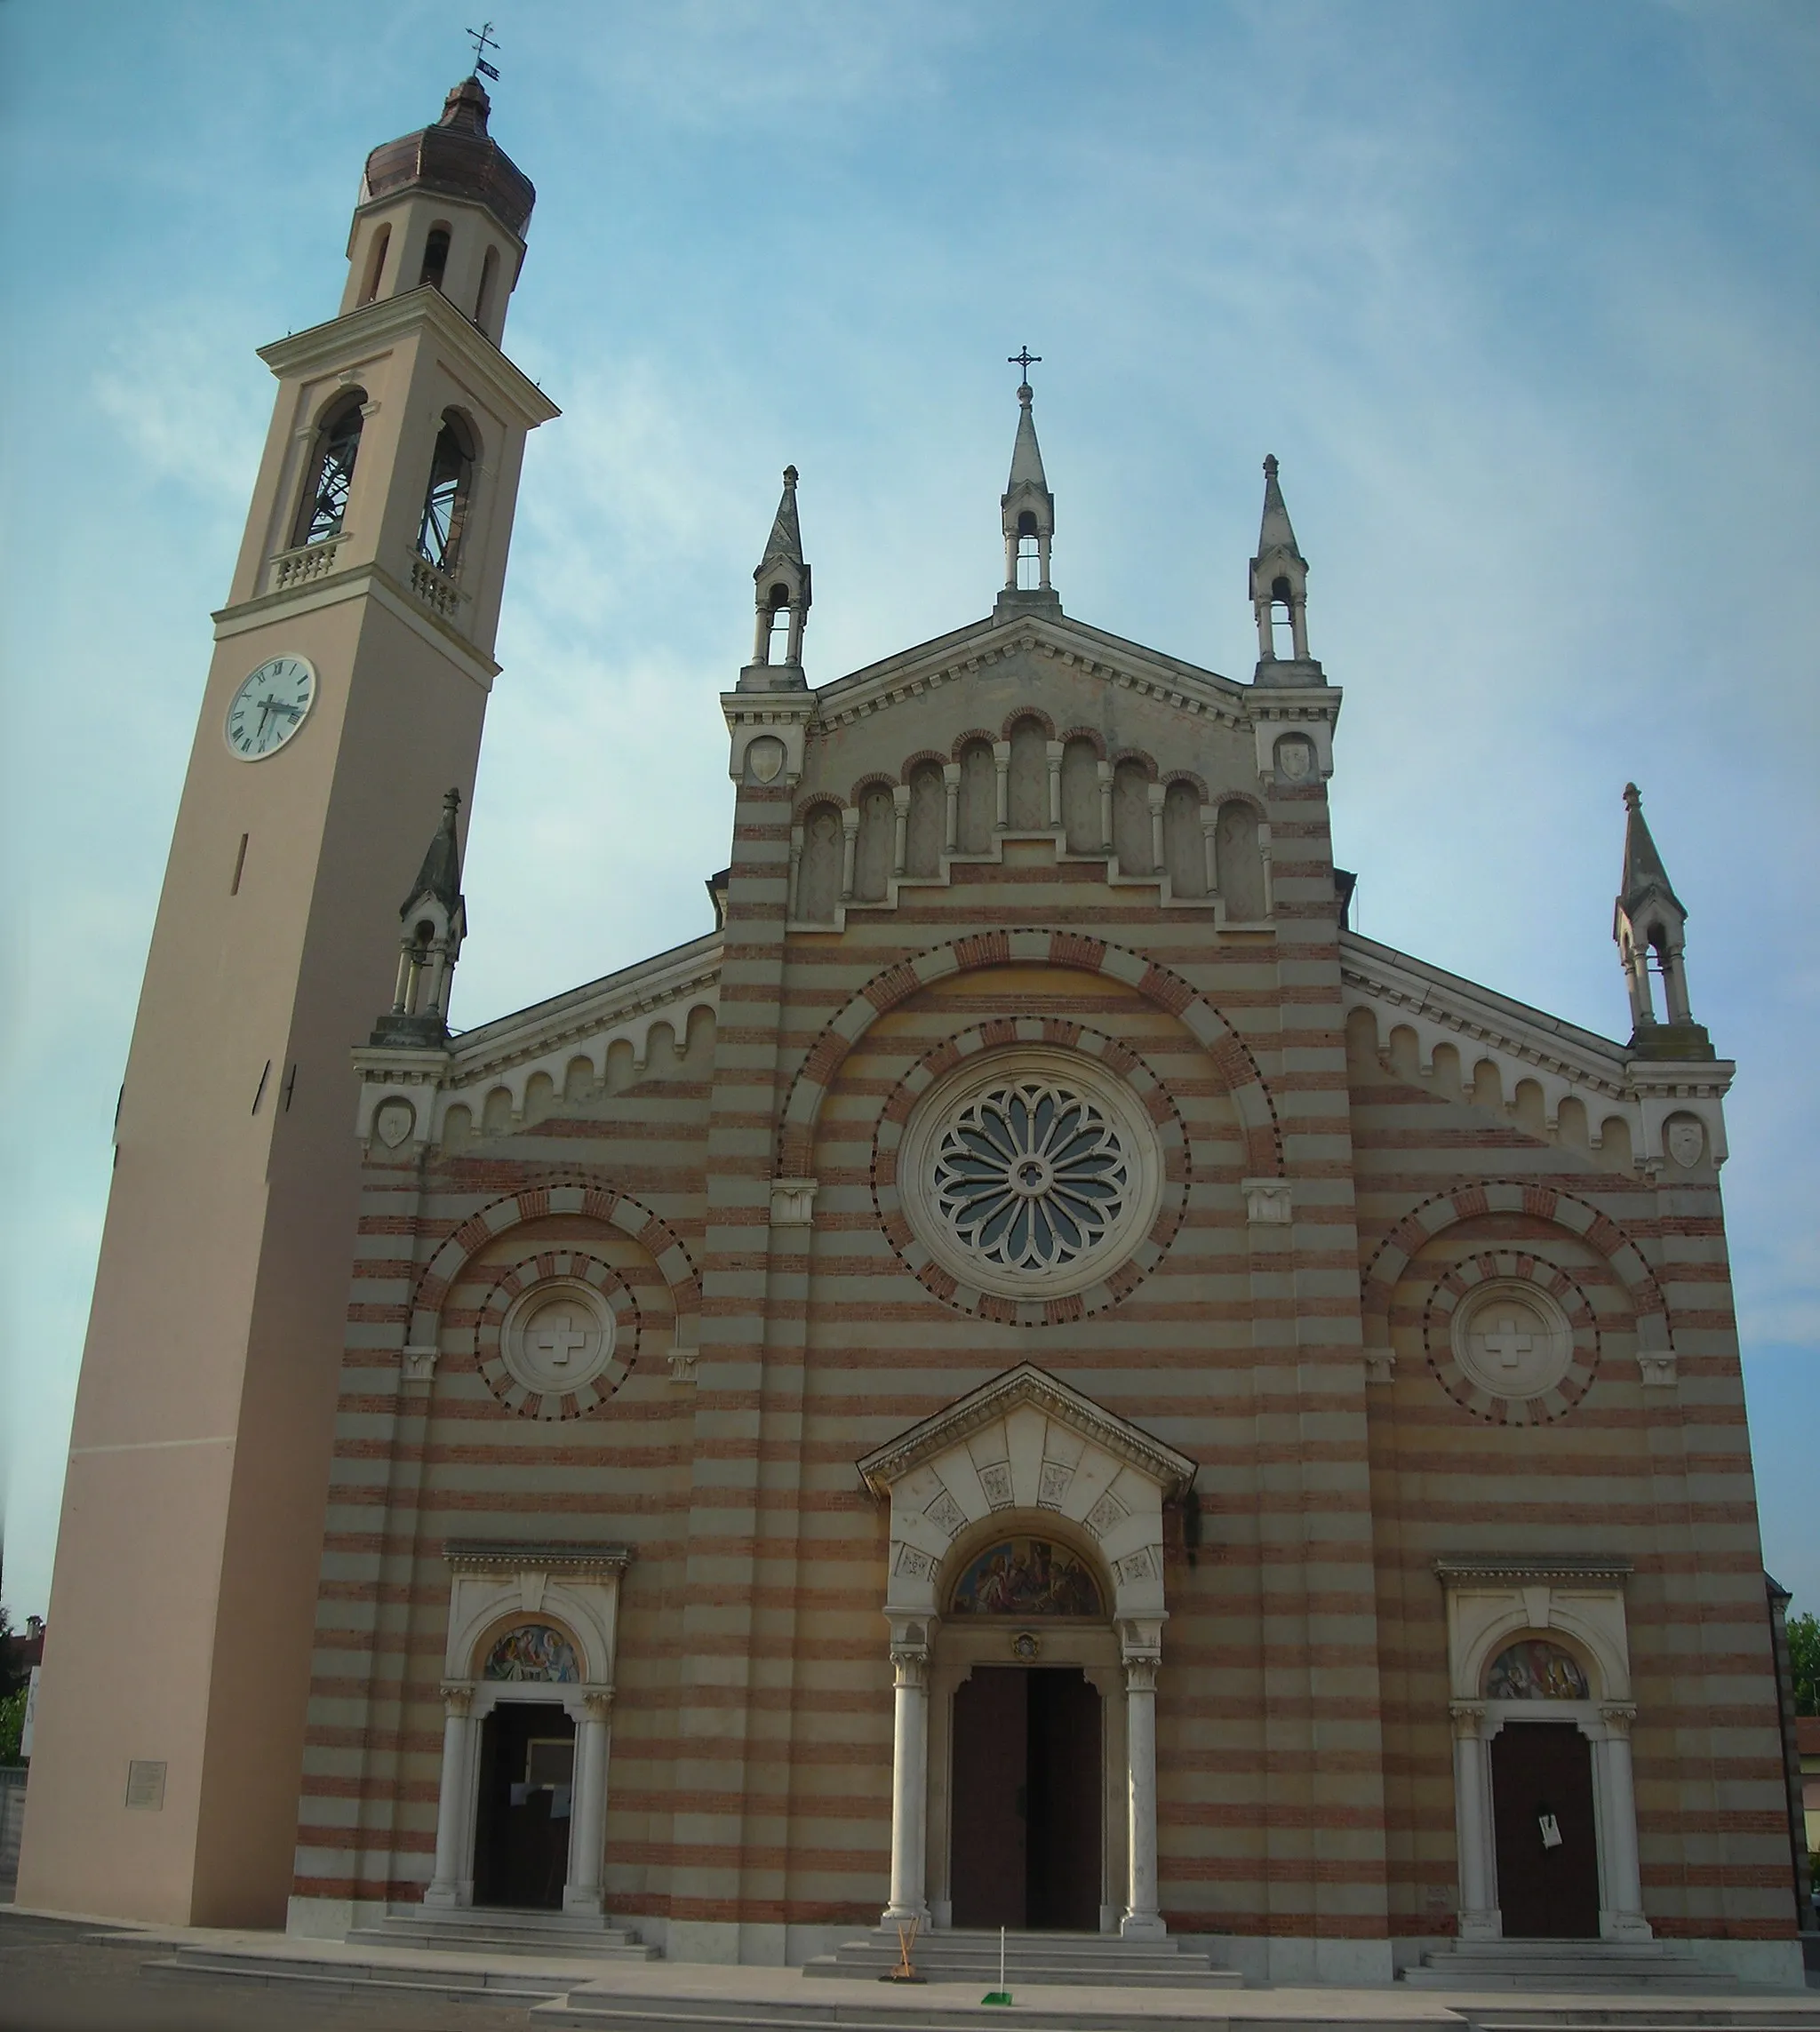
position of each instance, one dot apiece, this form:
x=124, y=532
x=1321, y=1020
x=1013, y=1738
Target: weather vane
x=1026, y=359
x=484, y=40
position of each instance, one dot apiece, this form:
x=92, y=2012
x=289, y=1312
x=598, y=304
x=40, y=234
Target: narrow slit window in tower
x=445, y=500
x=330, y=475
x=489, y=275
x=436, y=257
x=376, y=264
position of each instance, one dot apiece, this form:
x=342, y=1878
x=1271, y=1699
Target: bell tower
x=350, y=682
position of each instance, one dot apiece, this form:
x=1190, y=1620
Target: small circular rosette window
x=1511, y=1337
x=556, y=1335
x=1028, y=1183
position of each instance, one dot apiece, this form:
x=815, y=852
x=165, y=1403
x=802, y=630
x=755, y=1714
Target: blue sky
x=1523, y=296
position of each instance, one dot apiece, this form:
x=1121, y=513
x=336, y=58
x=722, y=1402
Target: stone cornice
x=1567, y=1569
x=1026, y=1384
x=1397, y=982
x=531, y=1033
x=374, y=326
x=497, y=1556
x=367, y=581
x=951, y=657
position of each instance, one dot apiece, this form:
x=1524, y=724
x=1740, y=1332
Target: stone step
x=969, y=1955
x=504, y=1933
x=1583, y=1966
x=896, y=2011
x=527, y=1986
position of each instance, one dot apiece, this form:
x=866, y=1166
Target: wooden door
x=1542, y=1772
x=989, y=1798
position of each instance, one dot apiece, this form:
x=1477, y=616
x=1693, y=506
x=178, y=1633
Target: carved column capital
x=1618, y=1717
x=1140, y=1675
x=598, y=1707
x=1468, y=1719
x=458, y=1697
x=910, y=1665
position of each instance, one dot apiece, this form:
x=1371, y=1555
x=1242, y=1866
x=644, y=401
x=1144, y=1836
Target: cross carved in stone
x=1508, y=1345
x=559, y=1336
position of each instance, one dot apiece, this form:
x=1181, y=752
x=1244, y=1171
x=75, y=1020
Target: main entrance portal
x=527, y=1772
x=1026, y=1796
x=1548, y=1839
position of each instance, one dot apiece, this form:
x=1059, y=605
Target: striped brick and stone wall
x=1323, y=1180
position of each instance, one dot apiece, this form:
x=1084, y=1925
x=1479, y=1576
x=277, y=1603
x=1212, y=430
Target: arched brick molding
x=563, y=1195
x=1025, y=946
x=1434, y=1216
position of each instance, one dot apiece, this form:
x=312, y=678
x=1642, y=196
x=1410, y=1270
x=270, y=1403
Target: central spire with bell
x=1027, y=511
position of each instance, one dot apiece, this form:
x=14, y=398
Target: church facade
x=1032, y=1376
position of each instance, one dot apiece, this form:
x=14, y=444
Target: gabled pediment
x=914, y=673
x=1028, y=1388
x=1001, y=1458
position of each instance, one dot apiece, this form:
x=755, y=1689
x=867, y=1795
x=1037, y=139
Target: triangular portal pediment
x=1025, y=1446
x=1028, y=1388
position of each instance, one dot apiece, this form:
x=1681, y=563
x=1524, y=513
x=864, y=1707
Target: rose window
x=1031, y=1175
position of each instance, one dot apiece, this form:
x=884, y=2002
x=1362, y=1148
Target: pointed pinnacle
x=1275, y=533
x=1643, y=868
x=441, y=874
x=785, y=543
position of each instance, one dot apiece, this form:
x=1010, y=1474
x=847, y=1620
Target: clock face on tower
x=269, y=707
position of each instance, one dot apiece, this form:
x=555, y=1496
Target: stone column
x=1479, y=1915
x=588, y=1804
x=1210, y=843
x=850, y=841
x=1001, y=776
x=1052, y=754
x=1156, y=793
x=951, y=802
x=1106, y=807
x=1623, y=1917
x=909, y=1786
x=1142, y=1918
x=795, y=870
x=452, y=1859
x=900, y=826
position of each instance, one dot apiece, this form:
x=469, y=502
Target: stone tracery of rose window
x=1031, y=1174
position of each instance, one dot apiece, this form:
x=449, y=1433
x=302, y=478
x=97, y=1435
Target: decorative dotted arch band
x=1027, y=946
x=1394, y=1253
x=568, y=1194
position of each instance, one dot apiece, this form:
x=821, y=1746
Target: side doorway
x=525, y=1805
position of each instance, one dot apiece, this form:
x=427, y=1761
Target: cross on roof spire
x=1026, y=359
x=485, y=39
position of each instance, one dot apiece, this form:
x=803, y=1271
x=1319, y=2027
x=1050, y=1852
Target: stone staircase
x=1581, y=1966
x=964, y=1955
x=489, y=1931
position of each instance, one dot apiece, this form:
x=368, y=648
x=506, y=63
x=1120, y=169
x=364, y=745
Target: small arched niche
x=819, y=879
